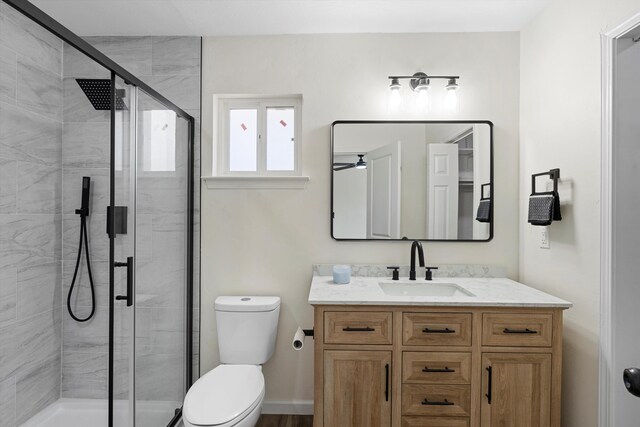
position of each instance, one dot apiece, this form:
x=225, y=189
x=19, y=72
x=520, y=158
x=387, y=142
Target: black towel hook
x=554, y=174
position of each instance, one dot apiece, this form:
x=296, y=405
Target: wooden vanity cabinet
x=518, y=389
x=357, y=387
x=419, y=366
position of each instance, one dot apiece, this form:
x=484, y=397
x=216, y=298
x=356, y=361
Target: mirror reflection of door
x=383, y=192
x=368, y=202
x=442, y=191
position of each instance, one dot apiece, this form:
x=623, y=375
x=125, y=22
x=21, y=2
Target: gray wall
x=30, y=217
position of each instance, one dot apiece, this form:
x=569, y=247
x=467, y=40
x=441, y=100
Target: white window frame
x=226, y=104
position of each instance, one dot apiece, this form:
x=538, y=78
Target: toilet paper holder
x=299, y=337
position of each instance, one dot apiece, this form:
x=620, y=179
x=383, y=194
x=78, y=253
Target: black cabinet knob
x=631, y=379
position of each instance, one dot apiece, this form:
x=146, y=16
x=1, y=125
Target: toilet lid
x=223, y=394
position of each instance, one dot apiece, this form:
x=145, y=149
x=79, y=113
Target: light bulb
x=451, y=100
x=395, y=100
x=422, y=101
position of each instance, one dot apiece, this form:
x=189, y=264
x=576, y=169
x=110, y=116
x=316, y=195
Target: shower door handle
x=129, y=296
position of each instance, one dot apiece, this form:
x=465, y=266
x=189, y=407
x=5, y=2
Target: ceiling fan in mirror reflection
x=360, y=164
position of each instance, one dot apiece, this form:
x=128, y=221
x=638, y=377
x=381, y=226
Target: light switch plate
x=544, y=237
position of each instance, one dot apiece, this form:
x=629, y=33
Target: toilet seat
x=224, y=396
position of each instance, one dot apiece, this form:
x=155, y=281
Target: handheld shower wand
x=84, y=237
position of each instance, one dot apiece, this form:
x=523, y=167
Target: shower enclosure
x=116, y=350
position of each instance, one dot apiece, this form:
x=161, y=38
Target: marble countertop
x=488, y=292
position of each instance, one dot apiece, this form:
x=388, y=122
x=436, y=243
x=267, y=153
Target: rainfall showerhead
x=99, y=93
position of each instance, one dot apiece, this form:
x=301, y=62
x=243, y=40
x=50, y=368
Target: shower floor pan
x=93, y=412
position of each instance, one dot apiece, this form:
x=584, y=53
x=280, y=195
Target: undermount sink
x=421, y=289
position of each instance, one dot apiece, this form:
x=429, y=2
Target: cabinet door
x=357, y=390
x=516, y=390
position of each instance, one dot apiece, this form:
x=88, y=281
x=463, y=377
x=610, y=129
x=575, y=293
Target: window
x=259, y=136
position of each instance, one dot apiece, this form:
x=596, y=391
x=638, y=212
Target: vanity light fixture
x=360, y=164
x=420, y=83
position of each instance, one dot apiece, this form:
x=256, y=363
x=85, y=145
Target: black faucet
x=414, y=245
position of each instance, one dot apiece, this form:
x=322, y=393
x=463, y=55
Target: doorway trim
x=606, y=375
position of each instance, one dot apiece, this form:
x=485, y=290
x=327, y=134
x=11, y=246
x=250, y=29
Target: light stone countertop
x=489, y=292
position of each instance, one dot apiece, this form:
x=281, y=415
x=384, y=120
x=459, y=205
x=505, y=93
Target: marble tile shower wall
x=171, y=65
x=31, y=125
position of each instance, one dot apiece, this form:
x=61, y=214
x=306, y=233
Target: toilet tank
x=247, y=328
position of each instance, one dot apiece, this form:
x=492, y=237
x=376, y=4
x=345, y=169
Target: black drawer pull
x=386, y=382
x=445, y=369
x=439, y=331
x=519, y=331
x=426, y=402
x=489, y=387
x=365, y=329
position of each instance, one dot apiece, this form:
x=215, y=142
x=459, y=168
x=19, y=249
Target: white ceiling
x=257, y=17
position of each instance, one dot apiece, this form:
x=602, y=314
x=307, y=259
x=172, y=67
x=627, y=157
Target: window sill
x=256, y=182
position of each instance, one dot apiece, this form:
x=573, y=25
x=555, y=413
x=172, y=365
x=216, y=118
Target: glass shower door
x=161, y=267
x=149, y=240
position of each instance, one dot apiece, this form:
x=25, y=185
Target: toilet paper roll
x=298, y=340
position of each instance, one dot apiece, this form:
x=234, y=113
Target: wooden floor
x=285, y=421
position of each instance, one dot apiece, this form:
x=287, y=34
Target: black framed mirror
x=412, y=180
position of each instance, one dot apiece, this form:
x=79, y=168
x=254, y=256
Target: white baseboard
x=293, y=407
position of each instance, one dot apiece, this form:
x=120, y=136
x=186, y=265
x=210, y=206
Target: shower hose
x=83, y=237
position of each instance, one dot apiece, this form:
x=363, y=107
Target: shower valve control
x=120, y=214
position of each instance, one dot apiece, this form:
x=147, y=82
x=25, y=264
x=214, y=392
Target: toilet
x=232, y=393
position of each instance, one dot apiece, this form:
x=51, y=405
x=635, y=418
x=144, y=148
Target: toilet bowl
x=229, y=395
x=232, y=393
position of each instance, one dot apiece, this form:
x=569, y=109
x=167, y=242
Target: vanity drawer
x=437, y=400
x=435, y=422
x=436, y=368
x=436, y=329
x=517, y=329
x=361, y=327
